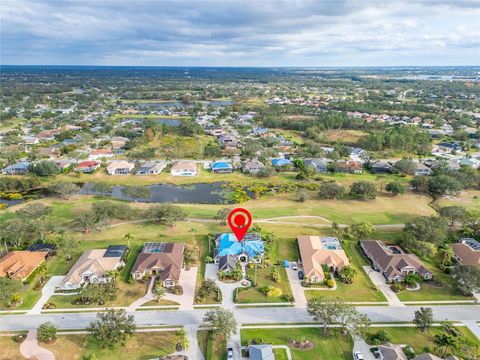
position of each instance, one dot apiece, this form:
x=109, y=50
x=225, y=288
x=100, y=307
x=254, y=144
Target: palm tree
x=193, y=230
x=158, y=292
x=128, y=237
x=445, y=343
x=112, y=274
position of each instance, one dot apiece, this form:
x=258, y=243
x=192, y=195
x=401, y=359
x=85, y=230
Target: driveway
x=297, y=288
x=364, y=348
x=235, y=343
x=380, y=282
x=47, y=291
x=227, y=289
x=31, y=350
x=187, y=280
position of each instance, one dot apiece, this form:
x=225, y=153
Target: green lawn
x=253, y=295
x=424, y=342
x=362, y=288
x=332, y=347
x=213, y=347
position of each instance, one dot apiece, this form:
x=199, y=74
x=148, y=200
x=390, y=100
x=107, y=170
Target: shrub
x=46, y=332
x=178, y=290
x=397, y=287
x=330, y=283
x=274, y=292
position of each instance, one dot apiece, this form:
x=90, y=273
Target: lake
x=201, y=193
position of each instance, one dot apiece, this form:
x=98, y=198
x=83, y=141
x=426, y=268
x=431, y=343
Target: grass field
x=332, y=347
x=254, y=295
x=424, y=342
x=141, y=346
x=213, y=347
x=362, y=288
x=465, y=199
x=345, y=136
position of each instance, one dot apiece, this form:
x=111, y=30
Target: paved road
x=243, y=316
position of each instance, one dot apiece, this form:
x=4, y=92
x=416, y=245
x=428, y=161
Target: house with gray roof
x=260, y=352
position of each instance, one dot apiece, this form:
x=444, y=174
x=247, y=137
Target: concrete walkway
x=474, y=328
x=380, y=282
x=298, y=290
x=31, y=350
x=235, y=343
x=361, y=346
x=47, y=291
x=193, y=351
x=227, y=289
x=187, y=280
x=144, y=299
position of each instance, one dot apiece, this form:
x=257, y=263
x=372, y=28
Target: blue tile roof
x=221, y=165
x=281, y=162
x=230, y=246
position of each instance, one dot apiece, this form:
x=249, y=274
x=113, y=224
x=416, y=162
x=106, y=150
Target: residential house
x=448, y=148
x=64, y=164
x=381, y=167
x=316, y=252
x=226, y=140
x=221, y=167
x=359, y=155
x=227, y=263
x=470, y=162
x=261, y=352
x=429, y=356
x=30, y=140
x=184, y=168
x=390, y=351
x=467, y=252
x=282, y=164
x=422, y=170
x=94, y=266
x=252, y=166
x=320, y=165
x=18, y=168
x=394, y=264
x=249, y=250
x=448, y=164
x=100, y=153
x=49, y=152
x=87, y=166
x=20, y=264
x=43, y=247
x=119, y=142
x=120, y=167
x=161, y=260
x=348, y=166
x=151, y=168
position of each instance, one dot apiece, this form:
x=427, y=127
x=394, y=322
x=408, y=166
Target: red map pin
x=239, y=221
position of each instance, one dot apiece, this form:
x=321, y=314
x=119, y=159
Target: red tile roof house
x=394, y=264
x=87, y=166
x=161, y=260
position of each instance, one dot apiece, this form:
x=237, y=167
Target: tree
x=98, y=293
x=467, y=279
x=394, y=188
x=64, y=189
x=222, y=215
x=471, y=224
x=8, y=289
x=363, y=190
x=431, y=229
x=445, y=343
x=46, y=332
x=274, y=292
x=166, y=214
x=357, y=231
x=190, y=256
x=66, y=245
x=351, y=321
x=112, y=327
x=324, y=312
x=222, y=321
x=443, y=184
x=423, y=319
x=158, y=292
x=420, y=184
x=136, y=192
x=331, y=190
x=44, y=168
x=453, y=213
x=85, y=221
x=301, y=195
x=35, y=211
x=347, y=274
x=406, y=166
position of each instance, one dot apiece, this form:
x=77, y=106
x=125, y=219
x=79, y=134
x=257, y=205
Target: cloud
x=240, y=33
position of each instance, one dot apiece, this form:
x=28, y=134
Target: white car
x=294, y=266
x=357, y=355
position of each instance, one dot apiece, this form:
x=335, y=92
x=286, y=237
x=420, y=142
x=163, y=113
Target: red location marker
x=239, y=221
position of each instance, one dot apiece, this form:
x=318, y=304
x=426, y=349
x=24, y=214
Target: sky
x=240, y=33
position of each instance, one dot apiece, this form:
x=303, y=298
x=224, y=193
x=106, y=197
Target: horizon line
x=246, y=67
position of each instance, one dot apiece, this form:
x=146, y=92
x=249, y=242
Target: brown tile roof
x=169, y=261
x=314, y=255
x=20, y=264
x=390, y=263
x=466, y=254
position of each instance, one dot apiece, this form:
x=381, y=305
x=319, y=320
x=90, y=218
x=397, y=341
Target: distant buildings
x=221, y=167
x=18, y=168
x=120, y=167
x=151, y=168
x=467, y=252
x=184, y=168
x=87, y=166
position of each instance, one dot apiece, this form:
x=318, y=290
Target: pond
x=201, y=193
x=168, y=121
x=11, y=202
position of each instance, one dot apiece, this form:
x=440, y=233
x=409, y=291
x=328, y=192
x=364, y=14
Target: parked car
x=300, y=275
x=230, y=354
x=285, y=263
x=294, y=266
x=358, y=355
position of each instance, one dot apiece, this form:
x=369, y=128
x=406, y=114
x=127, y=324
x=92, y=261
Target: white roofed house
x=422, y=170
x=252, y=166
x=100, y=153
x=151, y=168
x=120, y=167
x=184, y=168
